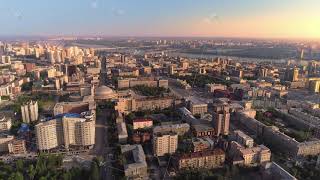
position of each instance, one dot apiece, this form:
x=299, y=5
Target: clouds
x=211, y=19
x=94, y=4
x=117, y=12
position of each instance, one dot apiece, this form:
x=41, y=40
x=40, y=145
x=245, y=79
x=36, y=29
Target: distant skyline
x=189, y=18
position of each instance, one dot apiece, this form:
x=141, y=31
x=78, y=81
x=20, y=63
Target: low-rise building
x=4, y=141
x=198, y=108
x=202, y=130
x=250, y=156
x=5, y=123
x=180, y=129
x=17, y=146
x=212, y=87
x=136, y=165
x=202, y=144
x=204, y=159
x=141, y=123
x=141, y=137
x=243, y=139
x=122, y=132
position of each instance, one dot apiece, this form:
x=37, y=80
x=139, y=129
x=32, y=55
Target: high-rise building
x=78, y=131
x=68, y=132
x=49, y=134
x=302, y=54
x=103, y=71
x=292, y=74
x=57, y=56
x=221, y=117
x=29, y=112
x=171, y=69
x=51, y=57
x=263, y=72
x=165, y=143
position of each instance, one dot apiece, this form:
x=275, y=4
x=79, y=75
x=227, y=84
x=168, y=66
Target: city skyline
x=245, y=19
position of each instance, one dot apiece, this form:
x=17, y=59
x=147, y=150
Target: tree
x=19, y=165
x=16, y=176
x=31, y=172
x=94, y=171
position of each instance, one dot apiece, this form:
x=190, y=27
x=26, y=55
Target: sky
x=207, y=18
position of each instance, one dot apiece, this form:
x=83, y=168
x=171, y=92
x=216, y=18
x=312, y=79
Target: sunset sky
x=214, y=18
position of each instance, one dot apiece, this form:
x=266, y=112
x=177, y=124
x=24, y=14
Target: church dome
x=104, y=92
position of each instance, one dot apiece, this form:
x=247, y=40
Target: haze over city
x=160, y=89
x=206, y=18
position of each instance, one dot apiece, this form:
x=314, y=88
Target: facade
x=142, y=123
x=150, y=82
x=204, y=159
x=78, y=132
x=49, y=134
x=153, y=103
x=221, y=118
x=243, y=139
x=273, y=136
x=29, y=112
x=212, y=87
x=132, y=104
x=202, y=130
x=198, y=108
x=4, y=141
x=250, y=156
x=72, y=107
x=136, y=165
x=122, y=132
x=141, y=137
x=202, y=144
x=5, y=123
x=17, y=147
x=166, y=143
x=180, y=129
x=70, y=132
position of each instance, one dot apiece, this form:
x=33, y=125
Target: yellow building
x=204, y=159
x=70, y=132
x=166, y=143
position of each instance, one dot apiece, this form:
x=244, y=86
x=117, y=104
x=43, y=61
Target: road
x=101, y=145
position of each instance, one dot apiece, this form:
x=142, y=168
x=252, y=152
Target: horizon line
x=160, y=36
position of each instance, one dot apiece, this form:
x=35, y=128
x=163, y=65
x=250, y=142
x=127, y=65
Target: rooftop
x=217, y=152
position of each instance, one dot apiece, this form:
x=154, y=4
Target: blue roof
x=71, y=115
x=23, y=128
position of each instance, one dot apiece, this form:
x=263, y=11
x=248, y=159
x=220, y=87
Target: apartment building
x=165, y=143
x=29, y=112
x=69, y=132
x=250, y=156
x=221, y=117
x=180, y=129
x=17, y=146
x=141, y=123
x=136, y=165
x=198, y=108
x=4, y=141
x=203, y=159
x=5, y=123
x=243, y=139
